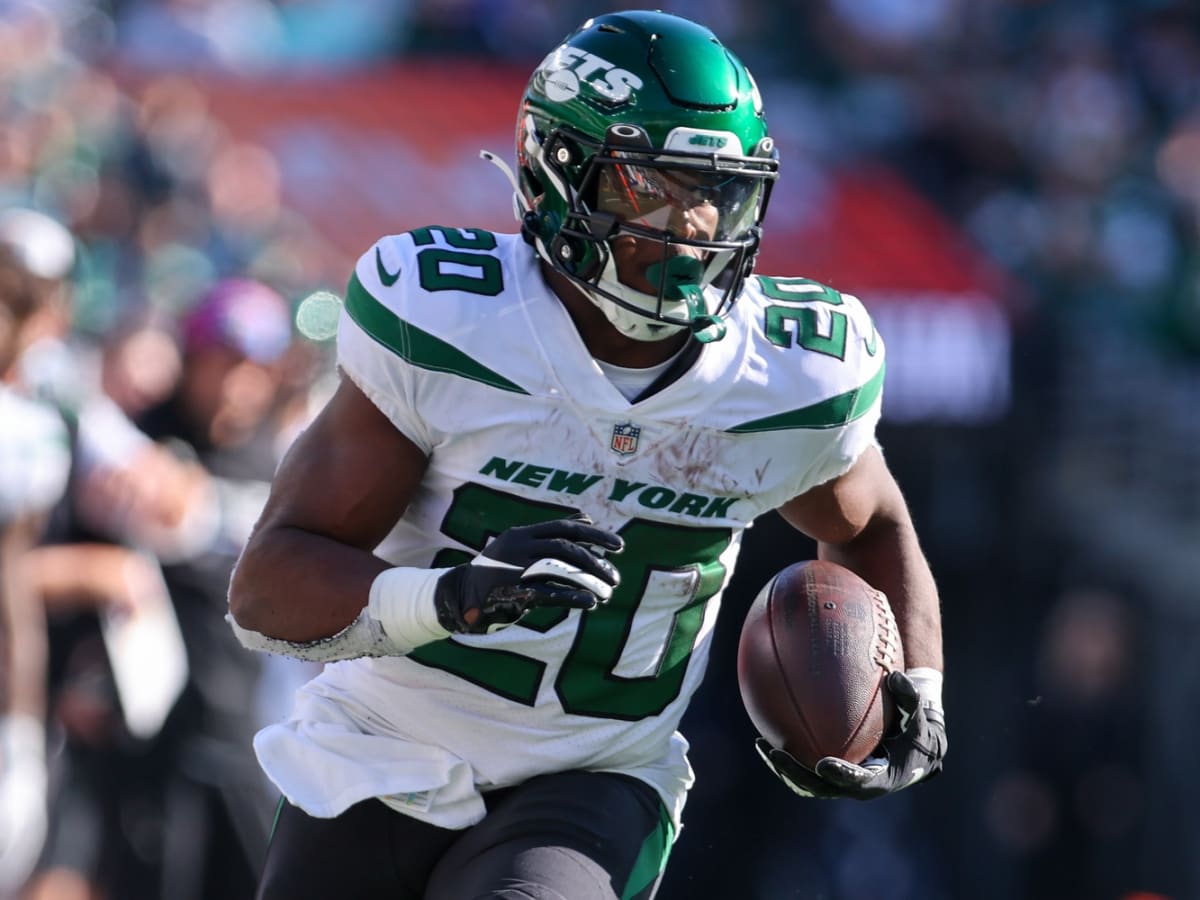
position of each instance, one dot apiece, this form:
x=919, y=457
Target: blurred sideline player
x=34, y=465
x=136, y=500
x=91, y=557
x=512, y=524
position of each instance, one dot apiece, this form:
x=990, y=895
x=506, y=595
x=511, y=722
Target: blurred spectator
x=179, y=809
x=80, y=576
x=222, y=415
x=140, y=366
x=59, y=368
x=232, y=338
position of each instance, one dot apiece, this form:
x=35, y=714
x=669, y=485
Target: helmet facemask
x=700, y=210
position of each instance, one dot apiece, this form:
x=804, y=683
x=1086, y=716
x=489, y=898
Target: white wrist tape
x=399, y=617
x=23, y=782
x=22, y=737
x=402, y=602
x=929, y=685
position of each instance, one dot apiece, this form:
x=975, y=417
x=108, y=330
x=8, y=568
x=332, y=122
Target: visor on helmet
x=684, y=202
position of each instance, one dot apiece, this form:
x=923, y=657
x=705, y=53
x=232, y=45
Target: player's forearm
x=23, y=654
x=887, y=554
x=299, y=586
x=81, y=576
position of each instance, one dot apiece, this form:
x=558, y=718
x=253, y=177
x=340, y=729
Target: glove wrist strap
x=402, y=601
x=928, y=682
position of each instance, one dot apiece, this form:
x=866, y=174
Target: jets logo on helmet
x=694, y=140
x=689, y=166
x=567, y=69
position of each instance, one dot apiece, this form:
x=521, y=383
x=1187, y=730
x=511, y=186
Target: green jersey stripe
x=414, y=345
x=652, y=857
x=831, y=413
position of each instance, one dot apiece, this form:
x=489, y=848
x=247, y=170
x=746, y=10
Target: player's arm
x=23, y=657
x=860, y=520
x=307, y=569
x=22, y=624
x=308, y=583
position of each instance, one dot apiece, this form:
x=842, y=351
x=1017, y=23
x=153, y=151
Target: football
x=814, y=651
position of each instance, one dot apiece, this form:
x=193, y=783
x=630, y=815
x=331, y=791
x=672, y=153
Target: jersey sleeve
x=824, y=366
x=371, y=332
x=860, y=401
x=842, y=452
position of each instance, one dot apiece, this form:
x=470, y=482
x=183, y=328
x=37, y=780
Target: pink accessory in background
x=243, y=315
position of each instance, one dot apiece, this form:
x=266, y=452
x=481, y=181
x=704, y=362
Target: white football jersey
x=35, y=456
x=455, y=336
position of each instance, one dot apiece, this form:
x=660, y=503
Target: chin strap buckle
x=707, y=329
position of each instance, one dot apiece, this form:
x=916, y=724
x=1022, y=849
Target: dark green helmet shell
x=657, y=70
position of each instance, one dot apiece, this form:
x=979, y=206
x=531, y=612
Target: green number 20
x=587, y=682
x=803, y=291
x=455, y=267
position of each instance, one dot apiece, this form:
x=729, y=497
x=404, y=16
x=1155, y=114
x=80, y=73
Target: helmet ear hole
x=561, y=152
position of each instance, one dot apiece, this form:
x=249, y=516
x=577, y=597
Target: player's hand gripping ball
x=816, y=652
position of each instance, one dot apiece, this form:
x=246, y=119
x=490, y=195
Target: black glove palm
x=912, y=753
x=557, y=563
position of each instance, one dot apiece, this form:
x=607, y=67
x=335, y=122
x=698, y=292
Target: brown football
x=815, y=649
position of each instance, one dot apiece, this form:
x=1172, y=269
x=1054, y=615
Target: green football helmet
x=642, y=124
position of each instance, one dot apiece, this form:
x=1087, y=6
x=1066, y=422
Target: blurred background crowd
x=1013, y=188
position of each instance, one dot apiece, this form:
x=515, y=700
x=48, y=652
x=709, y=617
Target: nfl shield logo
x=625, y=438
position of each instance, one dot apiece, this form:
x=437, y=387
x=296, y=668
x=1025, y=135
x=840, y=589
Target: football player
x=509, y=530
x=34, y=466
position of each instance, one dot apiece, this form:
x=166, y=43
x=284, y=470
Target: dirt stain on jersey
x=687, y=459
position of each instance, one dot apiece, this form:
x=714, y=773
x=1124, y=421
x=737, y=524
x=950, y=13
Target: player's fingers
x=556, y=570
x=800, y=780
x=904, y=692
x=578, y=531
x=560, y=597
x=842, y=773
x=574, y=558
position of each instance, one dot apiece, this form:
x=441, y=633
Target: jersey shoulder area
x=439, y=279
x=428, y=308
x=811, y=337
